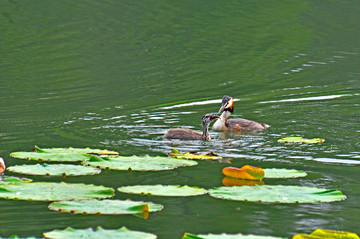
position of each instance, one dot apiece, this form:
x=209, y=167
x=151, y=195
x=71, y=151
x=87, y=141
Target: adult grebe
x=2, y=165
x=189, y=134
x=226, y=124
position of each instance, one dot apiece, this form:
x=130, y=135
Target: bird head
x=207, y=118
x=227, y=104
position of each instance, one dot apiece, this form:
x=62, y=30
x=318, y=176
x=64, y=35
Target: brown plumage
x=188, y=134
x=238, y=124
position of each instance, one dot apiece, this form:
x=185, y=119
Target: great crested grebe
x=238, y=124
x=189, y=134
x=2, y=165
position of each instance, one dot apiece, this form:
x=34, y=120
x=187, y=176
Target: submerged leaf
x=329, y=234
x=121, y=233
x=54, y=169
x=246, y=172
x=190, y=155
x=277, y=194
x=46, y=191
x=163, y=190
x=230, y=181
x=136, y=163
x=296, y=139
x=75, y=150
x=227, y=236
x=112, y=207
x=56, y=157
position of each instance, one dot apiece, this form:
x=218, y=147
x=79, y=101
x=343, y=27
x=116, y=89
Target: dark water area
x=117, y=74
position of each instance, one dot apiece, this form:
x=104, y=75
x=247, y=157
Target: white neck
x=225, y=115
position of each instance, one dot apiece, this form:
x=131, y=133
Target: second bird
x=238, y=124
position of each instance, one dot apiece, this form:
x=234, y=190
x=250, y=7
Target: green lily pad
x=54, y=170
x=227, y=236
x=209, y=156
x=277, y=194
x=99, y=233
x=163, y=190
x=283, y=173
x=136, y=163
x=7, y=179
x=46, y=191
x=53, y=157
x=296, y=139
x=112, y=207
x=75, y=150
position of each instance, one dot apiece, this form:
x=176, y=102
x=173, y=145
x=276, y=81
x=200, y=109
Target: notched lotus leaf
x=46, y=191
x=230, y=181
x=75, y=150
x=246, y=172
x=227, y=236
x=112, y=207
x=51, y=157
x=296, y=139
x=163, y=190
x=329, y=234
x=193, y=155
x=136, y=163
x=99, y=233
x=277, y=194
x=54, y=170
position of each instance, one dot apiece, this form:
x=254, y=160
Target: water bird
x=238, y=124
x=2, y=165
x=188, y=134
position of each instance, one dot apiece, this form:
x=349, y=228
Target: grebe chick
x=238, y=124
x=189, y=134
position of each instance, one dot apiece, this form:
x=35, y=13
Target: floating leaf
x=112, y=207
x=136, y=163
x=296, y=139
x=227, y=236
x=98, y=233
x=7, y=179
x=230, y=181
x=278, y=194
x=163, y=190
x=246, y=172
x=46, y=191
x=283, y=173
x=329, y=234
x=56, y=157
x=75, y=150
x=193, y=155
x=54, y=169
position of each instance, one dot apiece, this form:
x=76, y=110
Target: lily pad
x=163, y=190
x=53, y=157
x=46, y=191
x=7, y=179
x=54, y=170
x=190, y=155
x=75, y=150
x=277, y=194
x=296, y=139
x=283, y=173
x=246, y=172
x=328, y=234
x=227, y=236
x=99, y=233
x=111, y=207
x=136, y=163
